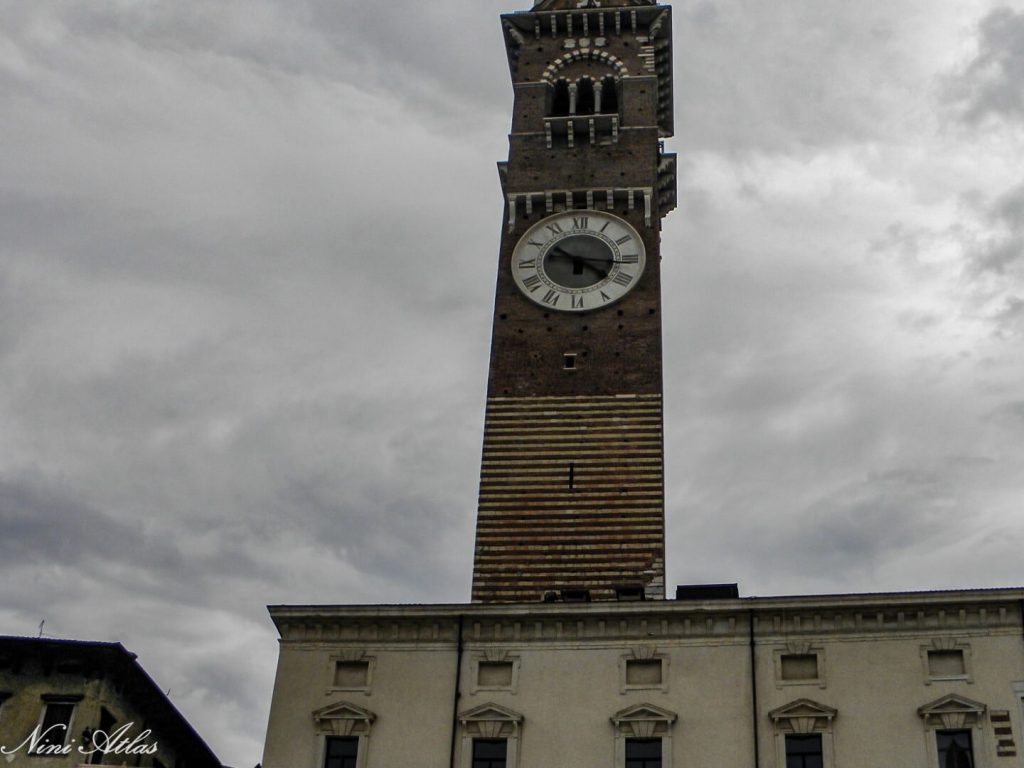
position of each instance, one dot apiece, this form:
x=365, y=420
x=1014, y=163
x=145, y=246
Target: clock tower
x=571, y=502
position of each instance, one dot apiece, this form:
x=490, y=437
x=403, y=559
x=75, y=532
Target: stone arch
x=618, y=69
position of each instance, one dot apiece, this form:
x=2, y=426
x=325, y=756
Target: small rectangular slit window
x=800, y=666
x=946, y=663
x=351, y=674
x=569, y=362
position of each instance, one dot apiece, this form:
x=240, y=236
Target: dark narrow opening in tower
x=585, y=97
x=572, y=475
x=609, y=96
x=560, y=99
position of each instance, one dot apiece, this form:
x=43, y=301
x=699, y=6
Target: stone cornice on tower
x=571, y=5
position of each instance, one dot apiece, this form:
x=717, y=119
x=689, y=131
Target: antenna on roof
x=41, y=627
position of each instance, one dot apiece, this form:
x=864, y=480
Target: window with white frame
x=643, y=736
x=490, y=737
x=54, y=726
x=803, y=734
x=953, y=731
x=799, y=663
x=955, y=749
x=643, y=753
x=490, y=753
x=643, y=668
x=345, y=729
x=494, y=671
x=945, y=659
x=804, y=750
x=341, y=752
x=351, y=671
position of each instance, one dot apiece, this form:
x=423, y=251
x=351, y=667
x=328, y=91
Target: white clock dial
x=578, y=260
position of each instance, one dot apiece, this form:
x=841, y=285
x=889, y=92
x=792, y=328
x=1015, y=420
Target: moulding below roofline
x=681, y=624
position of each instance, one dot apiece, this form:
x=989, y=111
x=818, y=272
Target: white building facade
x=914, y=680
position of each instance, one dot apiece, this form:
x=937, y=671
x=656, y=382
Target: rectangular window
x=642, y=673
x=803, y=751
x=643, y=753
x=945, y=664
x=955, y=749
x=341, y=752
x=490, y=753
x=800, y=666
x=495, y=674
x=53, y=729
x=351, y=674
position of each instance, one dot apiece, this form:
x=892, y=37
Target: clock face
x=578, y=260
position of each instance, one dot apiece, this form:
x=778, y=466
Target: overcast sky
x=247, y=258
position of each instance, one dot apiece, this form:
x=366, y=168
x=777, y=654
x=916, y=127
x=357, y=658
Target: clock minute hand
x=560, y=252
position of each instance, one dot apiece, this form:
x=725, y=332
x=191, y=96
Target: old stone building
x=70, y=702
x=569, y=654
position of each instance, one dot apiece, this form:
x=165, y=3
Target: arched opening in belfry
x=585, y=97
x=609, y=96
x=560, y=99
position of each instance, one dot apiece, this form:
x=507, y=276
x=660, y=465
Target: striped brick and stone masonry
x=571, y=498
x=571, y=485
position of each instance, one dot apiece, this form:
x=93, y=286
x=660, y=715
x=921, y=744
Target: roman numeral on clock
x=623, y=278
x=535, y=244
x=630, y=258
x=623, y=240
x=531, y=283
x=577, y=302
x=581, y=222
x=552, y=297
x=528, y=264
x=555, y=228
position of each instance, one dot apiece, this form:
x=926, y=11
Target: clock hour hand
x=586, y=261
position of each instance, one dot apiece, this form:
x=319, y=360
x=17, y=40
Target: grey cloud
x=995, y=264
x=423, y=54
x=39, y=526
x=991, y=84
x=828, y=75
x=247, y=256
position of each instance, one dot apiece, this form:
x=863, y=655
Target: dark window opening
x=643, y=753
x=629, y=593
x=341, y=752
x=53, y=730
x=560, y=99
x=569, y=362
x=107, y=723
x=572, y=474
x=585, y=97
x=609, y=96
x=803, y=751
x=576, y=595
x=489, y=753
x=955, y=750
